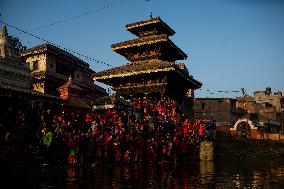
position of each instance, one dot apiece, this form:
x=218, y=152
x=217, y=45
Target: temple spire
x=4, y=29
x=5, y=48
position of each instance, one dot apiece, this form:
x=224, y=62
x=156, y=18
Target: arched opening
x=243, y=130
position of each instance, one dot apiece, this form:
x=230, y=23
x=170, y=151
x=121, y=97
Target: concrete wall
x=262, y=97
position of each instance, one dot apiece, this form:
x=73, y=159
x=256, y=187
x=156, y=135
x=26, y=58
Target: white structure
x=13, y=74
x=244, y=120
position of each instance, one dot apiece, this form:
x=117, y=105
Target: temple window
x=34, y=65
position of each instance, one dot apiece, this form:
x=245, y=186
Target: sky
x=231, y=44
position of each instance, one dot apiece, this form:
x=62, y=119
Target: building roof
x=146, y=67
x=16, y=88
x=135, y=69
x=76, y=102
x=153, y=23
x=70, y=84
x=148, y=40
x=140, y=41
x=82, y=85
x=48, y=47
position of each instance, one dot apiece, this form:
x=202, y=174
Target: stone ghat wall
x=206, y=151
x=250, y=149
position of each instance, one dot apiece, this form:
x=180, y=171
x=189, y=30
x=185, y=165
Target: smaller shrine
x=69, y=93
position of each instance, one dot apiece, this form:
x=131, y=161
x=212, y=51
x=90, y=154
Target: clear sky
x=230, y=43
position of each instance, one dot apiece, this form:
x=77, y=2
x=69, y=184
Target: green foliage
x=16, y=44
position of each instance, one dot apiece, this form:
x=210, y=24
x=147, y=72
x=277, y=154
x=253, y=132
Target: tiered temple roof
x=138, y=68
x=152, y=59
x=152, y=43
x=149, y=27
x=167, y=49
x=135, y=69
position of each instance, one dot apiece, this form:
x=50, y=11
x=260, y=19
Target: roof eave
x=111, y=76
x=117, y=48
x=124, y=46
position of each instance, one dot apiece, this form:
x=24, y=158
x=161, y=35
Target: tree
x=16, y=44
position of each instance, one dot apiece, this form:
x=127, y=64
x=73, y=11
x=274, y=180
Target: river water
x=193, y=174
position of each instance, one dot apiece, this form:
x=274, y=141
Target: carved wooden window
x=38, y=87
x=34, y=65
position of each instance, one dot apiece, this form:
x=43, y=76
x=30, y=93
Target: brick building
x=222, y=110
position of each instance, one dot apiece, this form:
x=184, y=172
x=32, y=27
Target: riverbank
x=249, y=149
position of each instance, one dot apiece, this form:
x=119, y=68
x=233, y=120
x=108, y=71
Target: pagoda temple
x=152, y=67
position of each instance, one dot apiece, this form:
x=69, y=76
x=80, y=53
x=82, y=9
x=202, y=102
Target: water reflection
x=250, y=174
x=195, y=174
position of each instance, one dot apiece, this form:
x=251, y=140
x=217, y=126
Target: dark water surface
x=194, y=174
